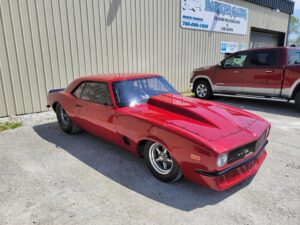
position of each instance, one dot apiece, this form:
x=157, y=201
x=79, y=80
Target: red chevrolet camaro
x=209, y=143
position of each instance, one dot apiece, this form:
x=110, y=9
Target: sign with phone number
x=215, y=16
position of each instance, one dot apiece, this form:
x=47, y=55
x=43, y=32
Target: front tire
x=297, y=100
x=202, y=89
x=65, y=122
x=160, y=163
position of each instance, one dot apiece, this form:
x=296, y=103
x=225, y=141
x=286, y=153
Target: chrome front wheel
x=160, y=159
x=161, y=163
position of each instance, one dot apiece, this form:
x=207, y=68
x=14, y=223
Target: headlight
x=222, y=160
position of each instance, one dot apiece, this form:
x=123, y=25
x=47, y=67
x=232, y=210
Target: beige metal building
x=45, y=44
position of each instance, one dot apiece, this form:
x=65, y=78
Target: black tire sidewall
x=208, y=87
x=174, y=174
x=66, y=128
x=297, y=100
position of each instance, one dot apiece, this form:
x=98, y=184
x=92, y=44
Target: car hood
x=210, y=120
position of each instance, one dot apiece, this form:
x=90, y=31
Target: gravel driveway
x=49, y=177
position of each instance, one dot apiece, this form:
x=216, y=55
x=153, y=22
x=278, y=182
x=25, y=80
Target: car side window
x=78, y=90
x=263, y=59
x=96, y=92
x=236, y=61
x=293, y=56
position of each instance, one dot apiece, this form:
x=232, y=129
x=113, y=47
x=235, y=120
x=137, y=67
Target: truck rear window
x=293, y=56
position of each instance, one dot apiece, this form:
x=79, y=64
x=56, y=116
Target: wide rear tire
x=65, y=121
x=297, y=100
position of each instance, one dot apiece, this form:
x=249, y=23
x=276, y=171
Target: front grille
x=245, y=150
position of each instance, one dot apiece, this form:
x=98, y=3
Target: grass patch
x=9, y=125
x=188, y=94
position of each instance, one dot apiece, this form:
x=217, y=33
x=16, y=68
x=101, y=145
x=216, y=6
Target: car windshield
x=136, y=91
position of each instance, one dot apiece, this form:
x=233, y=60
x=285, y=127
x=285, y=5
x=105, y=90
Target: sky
x=297, y=9
x=296, y=14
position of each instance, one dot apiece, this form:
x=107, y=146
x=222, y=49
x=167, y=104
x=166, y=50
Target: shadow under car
x=129, y=171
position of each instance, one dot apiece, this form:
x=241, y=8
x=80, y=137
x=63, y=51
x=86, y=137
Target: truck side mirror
x=221, y=64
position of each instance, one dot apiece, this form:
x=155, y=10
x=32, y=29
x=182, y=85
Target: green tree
x=294, y=31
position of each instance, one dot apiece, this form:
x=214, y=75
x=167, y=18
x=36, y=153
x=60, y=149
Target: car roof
x=109, y=77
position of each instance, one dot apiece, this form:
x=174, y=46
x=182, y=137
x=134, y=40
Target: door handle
x=78, y=106
x=269, y=71
x=237, y=71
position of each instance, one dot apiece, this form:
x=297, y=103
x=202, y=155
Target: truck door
x=229, y=76
x=262, y=75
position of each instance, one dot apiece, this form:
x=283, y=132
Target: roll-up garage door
x=267, y=39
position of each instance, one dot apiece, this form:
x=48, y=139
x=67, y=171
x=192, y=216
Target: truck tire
x=202, y=89
x=297, y=100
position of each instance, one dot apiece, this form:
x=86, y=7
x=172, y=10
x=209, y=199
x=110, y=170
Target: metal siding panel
x=37, y=60
x=105, y=49
x=86, y=37
x=21, y=57
x=44, y=46
x=73, y=38
x=79, y=36
x=66, y=43
x=124, y=37
x=113, y=15
x=109, y=42
x=142, y=35
x=134, y=49
x=91, y=28
x=29, y=57
x=138, y=36
x=3, y=105
x=97, y=31
x=8, y=103
x=51, y=37
x=285, y=6
x=151, y=36
x=12, y=59
x=60, y=51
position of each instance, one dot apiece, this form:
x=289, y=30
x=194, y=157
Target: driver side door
x=94, y=110
x=229, y=77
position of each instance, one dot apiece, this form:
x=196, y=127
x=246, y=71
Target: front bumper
x=222, y=180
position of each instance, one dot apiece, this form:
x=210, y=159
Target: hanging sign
x=215, y=16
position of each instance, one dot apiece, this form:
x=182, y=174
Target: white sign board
x=215, y=16
x=229, y=47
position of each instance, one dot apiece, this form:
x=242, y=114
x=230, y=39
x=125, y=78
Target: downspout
x=288, y=31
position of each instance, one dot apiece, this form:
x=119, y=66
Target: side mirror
x=221, y=64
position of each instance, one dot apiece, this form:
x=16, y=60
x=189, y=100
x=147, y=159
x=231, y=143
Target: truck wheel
x=65, y=122
x=297, y=100
x=160, y=162
x=202, y=89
